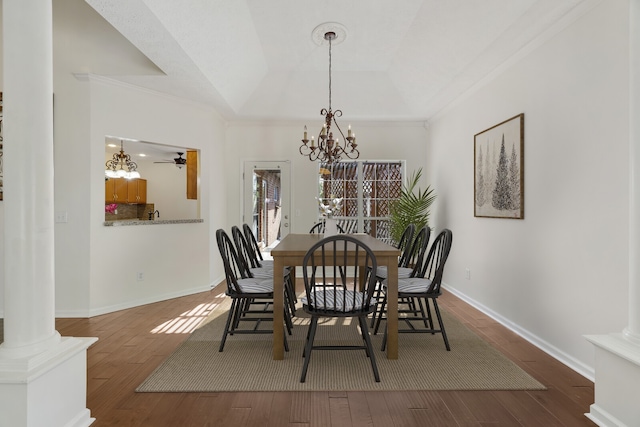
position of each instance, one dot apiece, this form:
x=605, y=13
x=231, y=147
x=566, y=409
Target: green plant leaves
x=411, y=207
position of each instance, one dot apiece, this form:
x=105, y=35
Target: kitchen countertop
x=126, y=222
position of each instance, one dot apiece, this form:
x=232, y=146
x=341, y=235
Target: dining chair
x=424, y=288
x=352, y=298
x=247, y=254
x=405, y=243
x=410, y=254
x=245, y=292
x=244, y=251
x=256, y=253
x=259, y=260
x=319, y=228
x=408, y=266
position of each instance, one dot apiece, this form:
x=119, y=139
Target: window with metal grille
x=367, y=189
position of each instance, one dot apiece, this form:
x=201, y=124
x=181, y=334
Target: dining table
x=290, y=251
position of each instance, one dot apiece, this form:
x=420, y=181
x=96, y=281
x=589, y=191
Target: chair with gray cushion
x=257, y=259
x=421, y=292
x=408, y=266
x=254, y=270
x=245, y=293
x=331, y=294
x=411, y=257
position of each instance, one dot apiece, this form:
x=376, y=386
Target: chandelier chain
x=330, y=150
x=330, y=73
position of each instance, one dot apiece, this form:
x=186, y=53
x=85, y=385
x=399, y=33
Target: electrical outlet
x=140, y=276
x=61, y=217
x=467, y=274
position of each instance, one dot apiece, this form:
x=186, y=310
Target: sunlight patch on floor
x=187, y=322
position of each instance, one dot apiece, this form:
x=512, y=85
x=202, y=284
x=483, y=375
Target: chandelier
x=330, y=150
x=116, y=166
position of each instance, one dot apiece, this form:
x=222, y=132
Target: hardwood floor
x=132, y=343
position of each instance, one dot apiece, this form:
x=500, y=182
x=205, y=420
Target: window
x=367, y=189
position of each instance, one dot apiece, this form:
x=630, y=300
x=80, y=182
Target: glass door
x=266, y=200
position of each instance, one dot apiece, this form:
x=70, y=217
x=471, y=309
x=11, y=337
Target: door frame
x=284, y=167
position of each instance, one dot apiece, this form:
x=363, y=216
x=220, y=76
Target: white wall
x=280, y=142
x=562, y=271
x=97, y=266
x=175, y=259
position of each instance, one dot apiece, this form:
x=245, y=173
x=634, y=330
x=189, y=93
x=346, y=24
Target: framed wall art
x=499, y=170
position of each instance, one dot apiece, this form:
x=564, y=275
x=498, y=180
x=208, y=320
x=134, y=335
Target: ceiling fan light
x=179, y=165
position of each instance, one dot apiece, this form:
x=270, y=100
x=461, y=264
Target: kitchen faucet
x=152, y=214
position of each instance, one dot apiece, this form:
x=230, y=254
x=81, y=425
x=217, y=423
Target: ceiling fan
x=178, y=161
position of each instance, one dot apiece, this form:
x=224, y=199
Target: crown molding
x=95, y=78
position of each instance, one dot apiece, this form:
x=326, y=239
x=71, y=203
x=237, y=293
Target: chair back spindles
x=245, y=252
x=405, y=244
x=433, y=267
x=319, y=228
x=233, y=267
x=328, y=281
x=252, y=241
x=418, y=250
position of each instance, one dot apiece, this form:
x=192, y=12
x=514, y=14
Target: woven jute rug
x=246, y=363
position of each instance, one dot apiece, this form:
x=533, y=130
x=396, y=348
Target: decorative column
x=42, y=376
x=617, y=361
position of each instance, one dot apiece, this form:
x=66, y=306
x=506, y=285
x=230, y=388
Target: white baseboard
x=586, y=371
x=130, y=304
x=603, y=418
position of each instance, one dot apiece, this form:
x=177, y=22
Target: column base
x=48, y=389
x=617, y=381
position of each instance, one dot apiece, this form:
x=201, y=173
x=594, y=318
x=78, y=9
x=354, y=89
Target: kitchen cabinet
x=137, y=191
x=192, y=175
x=115, y=190
x=122, y=190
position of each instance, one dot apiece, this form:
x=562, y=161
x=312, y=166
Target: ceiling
x=142, y=150
x=256, y=60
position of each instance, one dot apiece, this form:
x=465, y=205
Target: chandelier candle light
x=121, y=159
x=330, y=150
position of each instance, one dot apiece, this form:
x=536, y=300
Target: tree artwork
x=502, y=190
x=514, y=179
x=480, y=189
x=498, y=176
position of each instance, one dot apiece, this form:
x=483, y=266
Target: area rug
x=246, y=363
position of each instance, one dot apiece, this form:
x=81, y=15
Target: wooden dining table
x=291, y=251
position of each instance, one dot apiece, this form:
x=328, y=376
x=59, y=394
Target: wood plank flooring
x=132, y=343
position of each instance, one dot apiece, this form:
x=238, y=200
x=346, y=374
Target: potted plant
x=412, y=207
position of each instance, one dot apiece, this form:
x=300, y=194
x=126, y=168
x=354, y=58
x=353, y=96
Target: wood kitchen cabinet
x=137, y=191
x=122, y=190
x=115, y=190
